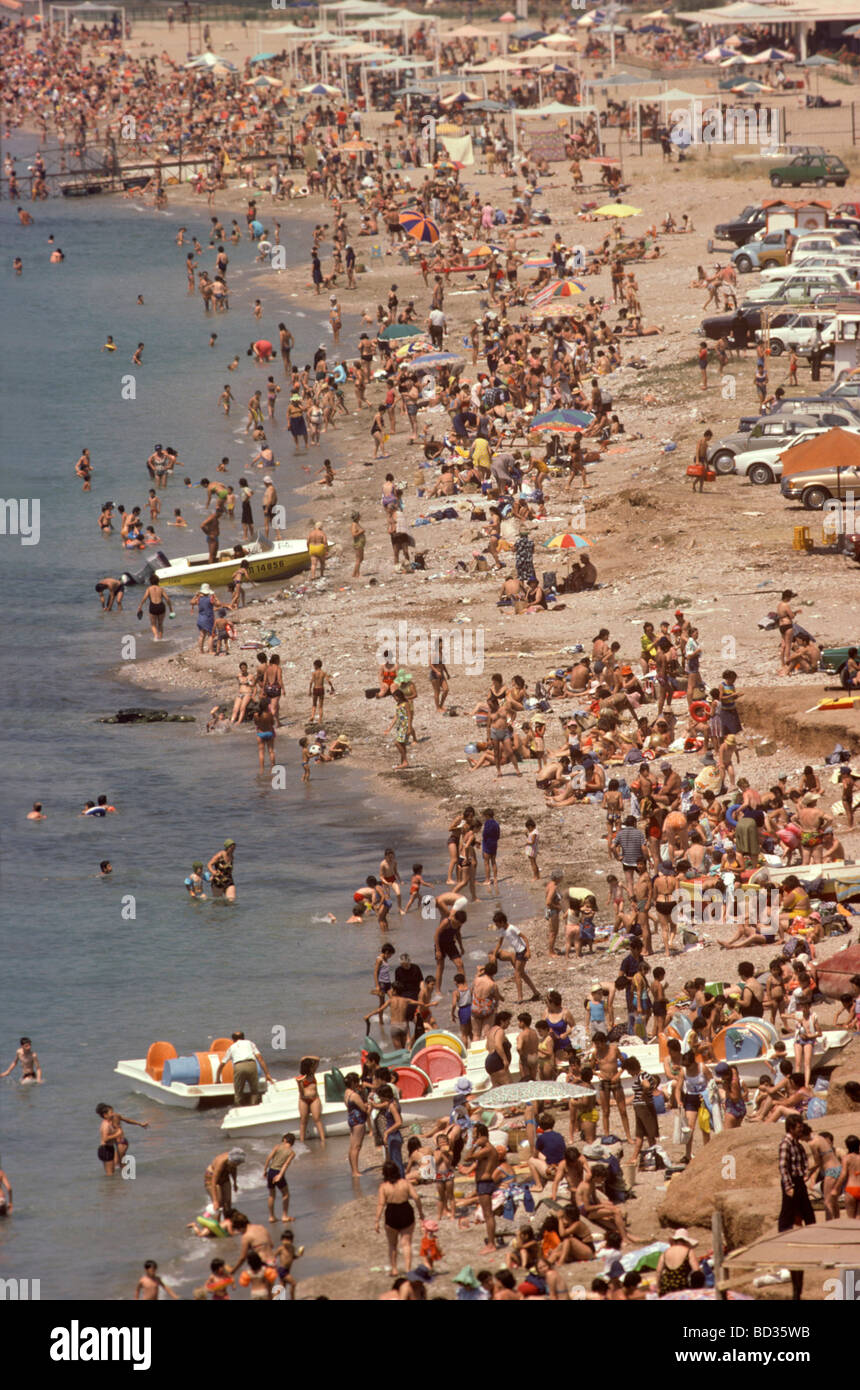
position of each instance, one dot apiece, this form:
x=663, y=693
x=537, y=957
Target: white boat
x=279, y=1109
x=187, y=1081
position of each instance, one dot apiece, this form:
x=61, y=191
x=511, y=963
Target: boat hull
x=186, y=1097
x=267, y=567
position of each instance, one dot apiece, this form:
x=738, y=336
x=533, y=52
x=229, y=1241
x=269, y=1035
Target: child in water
x=194, y=882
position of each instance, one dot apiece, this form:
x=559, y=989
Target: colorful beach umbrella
x=617, y=210
x=320, y=89
x=561, y=421
x=537, y=262
x=566, y=541
x=558, y=289
x=416, y=225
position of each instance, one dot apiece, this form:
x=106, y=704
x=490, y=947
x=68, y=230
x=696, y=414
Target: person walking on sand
x=316, y=690
x=317, y=548
x=359, y=542
x=400, y=725
x=204, y=602
x=394, y=1201
x=275, y=1165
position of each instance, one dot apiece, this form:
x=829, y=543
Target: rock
x=835, y=974
x=136, y=715
x=845, y=1074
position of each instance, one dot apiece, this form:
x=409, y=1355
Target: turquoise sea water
x=88, y=986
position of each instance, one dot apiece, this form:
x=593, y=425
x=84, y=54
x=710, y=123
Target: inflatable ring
x=210, y=1224
x=731, y=817
x=700, y=711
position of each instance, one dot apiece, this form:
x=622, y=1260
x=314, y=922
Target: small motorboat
x=839, y=880
x=264, y=560
x=185, y=1081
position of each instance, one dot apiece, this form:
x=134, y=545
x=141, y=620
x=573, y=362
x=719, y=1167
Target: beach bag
x=698, y=470
x=549, y=580
x=703, y=1119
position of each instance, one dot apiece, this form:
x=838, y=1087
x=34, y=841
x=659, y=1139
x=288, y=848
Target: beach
x=722, y=556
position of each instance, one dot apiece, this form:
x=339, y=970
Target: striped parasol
x=558, y=289
x=561, y=422
x=565, y=540
x=537, y=262
x=416, y=225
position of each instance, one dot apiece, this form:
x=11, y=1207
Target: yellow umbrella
x=616, y=210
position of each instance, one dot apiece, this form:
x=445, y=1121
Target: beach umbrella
x=482, y=250
x=566, y=541
x=262, y=80
x=738, y=60
x=419, y=227
x=818, y=60
x=507, y=18
x=320, y=89
x=852, y=33
x=617, y=210
x=263, y=57
x=561, y=421
x=751, y=88
x=211, y=61
x=401, y=330
x=448, y=164
x=522, y=1092
x=771, y=55
x=557, y=289
x=538, y=262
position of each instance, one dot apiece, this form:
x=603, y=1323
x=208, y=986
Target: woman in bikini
x=827, y=1169
x=849, y=1177
x=310, y=1105
x=357, y=1116
x=244, y=695
x=498, y=1060
x=665, y=887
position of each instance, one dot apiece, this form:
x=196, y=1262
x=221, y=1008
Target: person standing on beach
x=316, y=690
x=317, y=548
x=359, y=542
x=211, y=528
x=204, y=601
x=285, y=342
x=265, y=725
x=270, y=502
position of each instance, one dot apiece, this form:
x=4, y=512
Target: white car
x=764, y=465
x=788, y=330
x=802, y=285
x=819, y=260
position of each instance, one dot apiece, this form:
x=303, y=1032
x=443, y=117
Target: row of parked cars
x=758, y=448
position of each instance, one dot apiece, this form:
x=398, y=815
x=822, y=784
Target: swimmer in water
x=36, y=813
x=5, y=1195
x=24, y=217
x=18, y=266
x=113, y=1144
x=137, y=359
x=213, y=338
x=31, y=1069
x=84, y=470
x=110, y=345
x=105, y=868
x=150, y=1285
x=56, y=256
x=180, y=236
x=231, y=366
x=140, y=299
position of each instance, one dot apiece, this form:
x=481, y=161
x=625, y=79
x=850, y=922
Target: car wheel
x=813, y=498
x=775, y=181
x=759, y=474
x=744, y=265
x=840, y=183
x=776, y=348
x=723, y=461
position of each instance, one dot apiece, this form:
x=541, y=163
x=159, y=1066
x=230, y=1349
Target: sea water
x=94, y=969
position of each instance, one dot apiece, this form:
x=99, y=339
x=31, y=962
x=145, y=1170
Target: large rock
x=834, y=974
x=737, y=1173
x=136, y=715
x=843, y=1098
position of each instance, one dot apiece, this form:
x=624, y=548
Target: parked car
x=737, y=328
x=742, y=227
x=802, y=286
x=825, y=238
x=849, y=261
x=815, y=486
x=827, y=410
x=811, y=168
x=790, y=330
x=847, y=390
x=762, y=463
x=762, y=430
x=761, y=252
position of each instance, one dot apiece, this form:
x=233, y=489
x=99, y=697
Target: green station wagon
x=819, y=169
